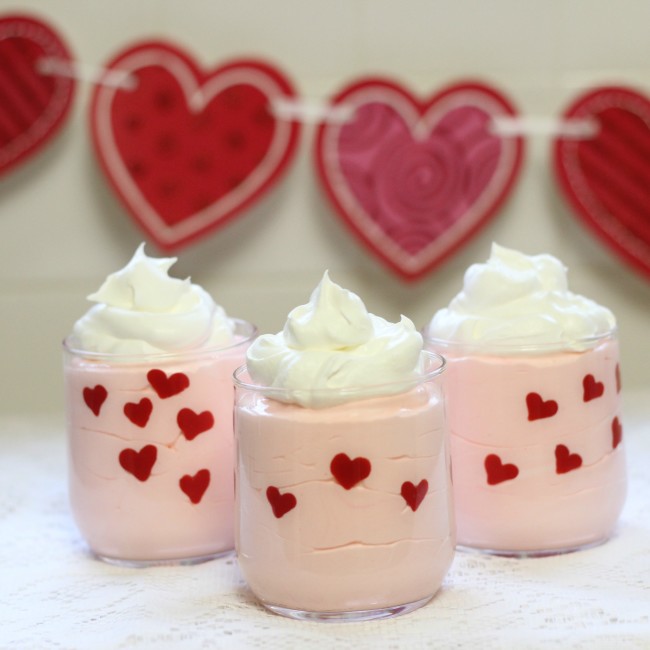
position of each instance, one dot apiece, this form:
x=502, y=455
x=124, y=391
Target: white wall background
x=62, y=231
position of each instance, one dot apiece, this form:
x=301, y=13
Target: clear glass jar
x=344, y=512
x=536, y=444
x=150, y=440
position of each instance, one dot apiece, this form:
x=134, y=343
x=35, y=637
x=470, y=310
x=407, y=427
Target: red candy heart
x=538, y=408
x=34, y=105
x=413, y=495
x=617, y=433
x=95, y=397
x=187, y=150
x=349, y=472
x=139, y=412
x=280, y=503
x=167, y=386
x=497, y=471
x=195, y=486
x=192, y=424
x=591, y=389
x=139, y=463
x=606, y=178
x=566, y=461
x=416, y=179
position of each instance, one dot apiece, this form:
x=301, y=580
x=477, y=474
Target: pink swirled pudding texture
x=536, y=431
x=150, y=417
x=343, y=500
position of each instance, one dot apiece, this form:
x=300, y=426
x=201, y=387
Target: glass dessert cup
x=536, y=444
x=343, y=513
x=150, y=451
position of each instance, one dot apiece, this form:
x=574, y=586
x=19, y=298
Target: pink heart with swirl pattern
x=413, y=179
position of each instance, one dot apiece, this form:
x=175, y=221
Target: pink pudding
x=151, y=454
x=536, y=443
x=148, y=398
x=343, y=493
x=343, y=508
x=533, y=405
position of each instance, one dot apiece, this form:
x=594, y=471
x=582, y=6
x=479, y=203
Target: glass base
x=519, y=553
x=141, y=564
x=349, y=616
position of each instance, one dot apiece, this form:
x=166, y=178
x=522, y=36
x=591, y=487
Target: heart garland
x=188, y=150
x=605, y=178
x=34, y=105
x=415, y=179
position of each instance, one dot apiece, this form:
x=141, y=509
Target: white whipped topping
x=142, y=310
x=332, y=342
x=516, y=299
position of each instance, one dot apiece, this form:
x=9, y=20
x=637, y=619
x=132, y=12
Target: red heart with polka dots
x=195, y=486
x=187, y=150
x=35, y=101
x=139, y=463
x=413, y=178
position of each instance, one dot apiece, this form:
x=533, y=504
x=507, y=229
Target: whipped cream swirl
x=333, y=343
x=142, y=310
x=520, y=300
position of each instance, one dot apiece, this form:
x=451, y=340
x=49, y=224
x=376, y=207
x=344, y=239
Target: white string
x=75, y=70
x=575, y=128
x=305, y=111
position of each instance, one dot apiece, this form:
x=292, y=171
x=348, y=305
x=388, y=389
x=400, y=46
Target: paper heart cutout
x=414, y=494
x=605, y=178
x=167, y=386
x=591, y=389
x=139, y=412
x=95, y=398
x=497, y=471
x=195, y=486
x=348, y=472
x=539, y=408
x=139, y=463
x=565, y=461
x=280, y=503
x=188, y=150
x=617, y=433
x=35, y=105
x=414, y=179
x=192, y=424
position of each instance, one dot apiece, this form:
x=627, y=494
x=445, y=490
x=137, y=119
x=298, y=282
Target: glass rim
x=242, y=327
x=419, y=377
x=502, y=347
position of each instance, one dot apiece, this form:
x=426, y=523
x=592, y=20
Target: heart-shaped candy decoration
x=539, y=408
x=280, y=503
x=95, y=398
x=617, y=432
x=139, y=463
x=186, y=150
x=167, y=386
x=348, y=472
x=414, y=494
x=565, y=461
x=498, y=471
x=195, y=486
x=192, y=424
x=415, y=179
x=34, y=104
x=591, y=389
x=606, y=178
x=139, y=412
